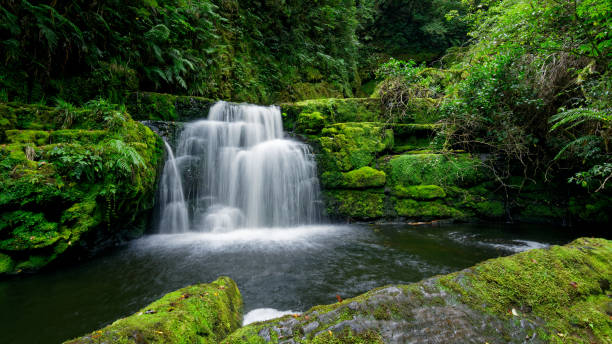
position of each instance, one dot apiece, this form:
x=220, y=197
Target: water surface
x=283, y=269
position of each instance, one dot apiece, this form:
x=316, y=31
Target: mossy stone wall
x=73, y=182
x=375, y=170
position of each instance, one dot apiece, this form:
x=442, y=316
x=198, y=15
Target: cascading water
x=236, y=170
x=174, y=209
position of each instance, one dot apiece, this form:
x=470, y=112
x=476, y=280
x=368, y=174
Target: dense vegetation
x=232, y=49
x=73, y=181
x=525, y=85
x=532, y=91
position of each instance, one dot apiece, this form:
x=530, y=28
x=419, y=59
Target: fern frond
x=577, y=142
x=577, y=116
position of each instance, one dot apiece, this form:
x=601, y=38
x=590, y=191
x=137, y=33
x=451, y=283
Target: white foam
x=263, y=314
x=519, y=245
x=248, y=238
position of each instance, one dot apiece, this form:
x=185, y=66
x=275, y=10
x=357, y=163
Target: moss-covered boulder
x=435, y=169
x=421, y=192
x=335, y=110
x=556, y=295
x=349, y=146
x=361, y=178
x=354, y=204
x=409, y=137
x=73, y=180
x=310, y=122
x=202, y=313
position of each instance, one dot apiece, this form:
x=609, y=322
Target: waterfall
x=175, y=218
x=236, y=170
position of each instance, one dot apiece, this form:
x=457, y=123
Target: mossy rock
x=203, y=313
x=362, y=178
x=310, y=122
x=420, y=192
x=335, y=110
x=27, y=231
x=93, y=186
x=354, y=205
x=350, y=146
x=562, y=289
x=490, y=209
x=553, y=295
x=426, y=210
x=435, y=169
x=36, y=137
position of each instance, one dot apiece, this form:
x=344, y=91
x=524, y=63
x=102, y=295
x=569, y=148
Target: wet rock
x=204, y=313
x=471, y=306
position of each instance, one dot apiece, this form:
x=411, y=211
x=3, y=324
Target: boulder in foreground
x=203, y=313
x=557, y=295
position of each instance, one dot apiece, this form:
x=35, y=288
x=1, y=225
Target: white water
x=236, y=170
x=171, y=198
x=263, y=314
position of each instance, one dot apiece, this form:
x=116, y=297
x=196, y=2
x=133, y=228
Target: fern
x=575, y=117
x=581, y=141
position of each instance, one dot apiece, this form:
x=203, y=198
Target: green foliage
x=60, y=186
x=531, y=92
x=310, y=123
x=234, y=49
x=79, y=163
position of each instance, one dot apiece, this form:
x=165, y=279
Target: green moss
x=37, y=137
x=426, y=210
x=356, y=205
x=167, y=107
x=310, y=122
x=435, y=169
x=335, y=110
x=421, y=192
x=26, y=231
x=82, y=136
x=490, y=209
x=6, y=264
x=558, y=294
x=565, y=286
x=204, y=313
x=88, y=186
x=365, y=177
x=349, y=146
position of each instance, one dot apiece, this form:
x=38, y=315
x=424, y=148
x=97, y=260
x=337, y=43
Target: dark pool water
x=284, y=269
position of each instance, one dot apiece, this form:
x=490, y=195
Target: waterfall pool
x=285, y=269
